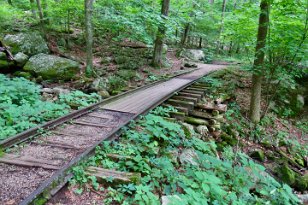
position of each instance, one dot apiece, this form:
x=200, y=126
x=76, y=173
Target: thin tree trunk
x=68, y=21
x=45, y=11
x=200, y=42
x=185, y=35
x=255, y=100
x=33, y=11
x=238, y=49
x=39, y=6
x=230, y=48
x=223, y=9
x=89, y=34
x=159, y=42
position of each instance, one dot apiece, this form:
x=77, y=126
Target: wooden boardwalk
x=43, y=161
x=139, y=102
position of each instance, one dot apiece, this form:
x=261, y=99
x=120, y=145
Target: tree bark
x=40, y=10
x=89, y=34
x=159, y=42
x=223, y=9
x=255, y=99
x=33, y=11
x=45, y=11
x=185, y=35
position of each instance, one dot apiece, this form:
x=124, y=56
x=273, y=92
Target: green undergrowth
x=153, y=145
x=278, y=141
x=21, y=105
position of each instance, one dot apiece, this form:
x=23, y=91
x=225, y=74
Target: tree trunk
x=10, y=2
x=258, y=62
x=89, y=34
x=200, y=42
x=230, y=48
x=159, y=42
x=39, y=6
x=186, y=31
x=45, y=11
x=33, y=11
x=223, y=9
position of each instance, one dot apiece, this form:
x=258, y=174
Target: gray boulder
x=171, y=199
x=27, y=43
x=193, y=54
x=52, y=67
x=203, y=130
x=21, y=59
x=188, y=156
x=100, y=84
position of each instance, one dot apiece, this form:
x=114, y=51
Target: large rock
x=21, y=59
x=188, y=156
x=52, y=67
x=202, y=130
x=27, y=43
x=100, y=84
x=287, y=175
x=171, y=199
x=193, y=54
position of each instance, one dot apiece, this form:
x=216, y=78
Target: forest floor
x=124, y=65
x=279, y=144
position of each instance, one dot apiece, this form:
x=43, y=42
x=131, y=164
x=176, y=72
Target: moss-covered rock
x=286, y=174
x=4, y=63
x=52, y=67
x=302, y=183
x=193, y=54
x=258, y=155
x=23, y=74
x=189, y=130
x=203, y=130
x=21, y=59
x=228, y=139
x=27, y=43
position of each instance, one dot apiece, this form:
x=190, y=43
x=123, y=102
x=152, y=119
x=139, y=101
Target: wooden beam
x=104, y=175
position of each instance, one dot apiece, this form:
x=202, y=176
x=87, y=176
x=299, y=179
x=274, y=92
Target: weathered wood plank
x=27, y=162
x=116, y=176
x=189, y=99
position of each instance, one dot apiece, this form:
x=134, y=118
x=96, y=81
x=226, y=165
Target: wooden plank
x=80, y=122
x=179, y=108
x=188, y=99
x=205, y=115
x=208, y=106
x=196, y=89
x=56, y=144
x=200, y=86
x=116, y=176
x=190, y=95
x=193, y=92
x=188, y=105
x=27, y=162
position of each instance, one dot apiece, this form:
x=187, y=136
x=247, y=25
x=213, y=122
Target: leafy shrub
x=127, y=74
x=21, y=106
x=78, y=99
x=116, y=83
